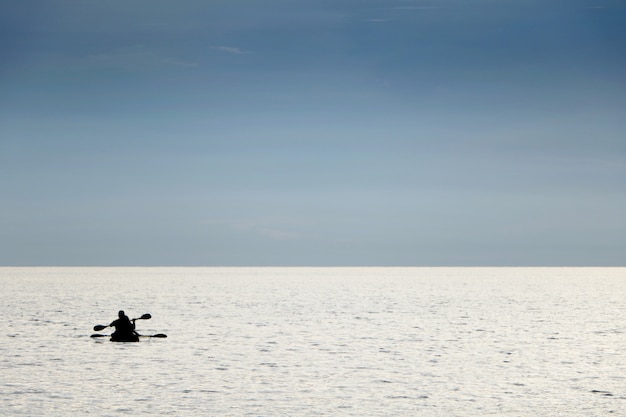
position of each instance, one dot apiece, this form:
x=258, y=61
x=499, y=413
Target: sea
x=315, y=342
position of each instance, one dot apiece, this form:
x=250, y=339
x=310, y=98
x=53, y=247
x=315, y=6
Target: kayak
x=135, y=339
x=126, y=339
x=128, y=334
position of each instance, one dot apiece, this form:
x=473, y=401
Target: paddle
x=99, y=327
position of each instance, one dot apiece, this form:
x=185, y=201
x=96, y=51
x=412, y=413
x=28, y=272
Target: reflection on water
x=307, y=341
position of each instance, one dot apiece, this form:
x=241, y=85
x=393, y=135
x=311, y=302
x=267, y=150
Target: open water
x=316, y=342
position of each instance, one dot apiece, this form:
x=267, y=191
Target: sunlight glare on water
x=316, y=341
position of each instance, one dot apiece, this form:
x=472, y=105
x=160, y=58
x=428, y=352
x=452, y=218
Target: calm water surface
x=316, y=341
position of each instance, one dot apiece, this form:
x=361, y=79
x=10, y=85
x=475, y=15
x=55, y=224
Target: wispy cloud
x=417, y=7
x=137, y=57
x=231, y=50
x=276, y=234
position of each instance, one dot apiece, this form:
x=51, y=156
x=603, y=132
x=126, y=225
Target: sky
x=313, y=133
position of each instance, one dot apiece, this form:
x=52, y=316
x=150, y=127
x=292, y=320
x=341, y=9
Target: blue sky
x=313, y=132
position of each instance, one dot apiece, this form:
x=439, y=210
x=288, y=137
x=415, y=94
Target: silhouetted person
x=124, y=328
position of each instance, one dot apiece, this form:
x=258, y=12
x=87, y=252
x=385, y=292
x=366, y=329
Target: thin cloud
x=137, y=57
x=417, y=7
x=276, y=234
x=171, y=61
x=231, y=50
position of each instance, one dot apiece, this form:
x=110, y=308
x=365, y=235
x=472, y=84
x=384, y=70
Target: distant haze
x=313, y=132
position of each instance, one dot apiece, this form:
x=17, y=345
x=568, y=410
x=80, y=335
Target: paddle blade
x=99, y=335
x=159, y=335
x=99, y=327
x=146, y=317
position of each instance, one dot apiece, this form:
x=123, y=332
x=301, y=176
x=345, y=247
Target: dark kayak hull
x=125, y=339
x=116, y=339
